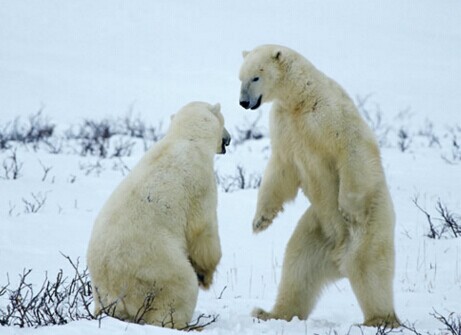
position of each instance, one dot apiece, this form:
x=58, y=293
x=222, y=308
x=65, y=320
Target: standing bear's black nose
x=245, y=104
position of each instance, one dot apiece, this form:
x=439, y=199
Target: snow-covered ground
x=96, y=60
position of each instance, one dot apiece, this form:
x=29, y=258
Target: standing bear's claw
x=346, y=216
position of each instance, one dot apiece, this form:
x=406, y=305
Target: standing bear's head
x=264, y=72
x=200, y=121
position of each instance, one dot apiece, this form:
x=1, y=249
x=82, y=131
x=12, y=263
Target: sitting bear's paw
x=205, y=279
x=261, y=314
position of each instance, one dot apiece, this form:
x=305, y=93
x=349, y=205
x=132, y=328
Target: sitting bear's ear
x=245, y=53
x=171, y=117
x=216, y=108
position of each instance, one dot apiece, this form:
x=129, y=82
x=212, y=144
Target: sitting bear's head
x=200, y=121
x=260, y=75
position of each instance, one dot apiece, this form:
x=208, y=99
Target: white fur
x=157, y=233
x=321, y=145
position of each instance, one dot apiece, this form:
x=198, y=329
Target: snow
x=89, y=59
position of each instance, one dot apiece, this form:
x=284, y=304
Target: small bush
x=34, y=204
x=428, y=133
x=404, y=139
x=239, y=181
x=248, y=131
x=110, y=137
x=374, y=117
x=37, y=129
x=93, y=137
x=448, y=225
x=455, y=150
x=11, y=166
x=57, y=302
x=451, y=324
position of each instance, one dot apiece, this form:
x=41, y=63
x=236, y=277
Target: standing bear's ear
x=245, y=53
x=277, y=55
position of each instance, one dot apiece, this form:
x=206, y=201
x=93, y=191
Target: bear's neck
x=300, y=91
x=301, y=86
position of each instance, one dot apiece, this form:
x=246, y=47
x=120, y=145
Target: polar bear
x=321, y=145
x=156, y=238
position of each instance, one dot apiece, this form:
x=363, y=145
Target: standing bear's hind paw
x=388, y=322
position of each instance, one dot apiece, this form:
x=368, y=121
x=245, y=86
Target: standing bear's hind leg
x=370, y=270
x=307, y=267
x=371, y=281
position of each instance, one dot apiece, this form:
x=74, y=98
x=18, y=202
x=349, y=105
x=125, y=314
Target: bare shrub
x=374, y=117
x=136, y=128
x=428, y=132
x=455, y=150
x=4, y=139
x=448, y=225
x=452, y=322
x=202, y=321
x=239, y=181
x=91, y=168
x=93, y=137
x=384, y=329
x=37, y=129
x=54, y=145
x=404, y=139
x=46, y=170
x=96, y=138
x=57, y=302
x=120, y=165
x=249, y=131
x=35, y=204
x=123, y=148
x=11, y=166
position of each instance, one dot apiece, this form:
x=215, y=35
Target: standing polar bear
x=156, y=238
x=321, y=145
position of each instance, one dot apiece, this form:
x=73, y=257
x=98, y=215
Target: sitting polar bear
x=321, y=145
x=156, y=238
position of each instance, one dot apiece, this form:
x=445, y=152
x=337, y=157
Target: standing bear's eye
x=255, y=79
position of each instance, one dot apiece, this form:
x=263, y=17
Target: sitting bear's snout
x=226, y=139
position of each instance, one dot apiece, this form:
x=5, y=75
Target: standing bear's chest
x=300, y=141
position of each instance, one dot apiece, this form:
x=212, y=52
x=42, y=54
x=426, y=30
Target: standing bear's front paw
x=263, y=219
x=353, y=207
x=261, y=223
